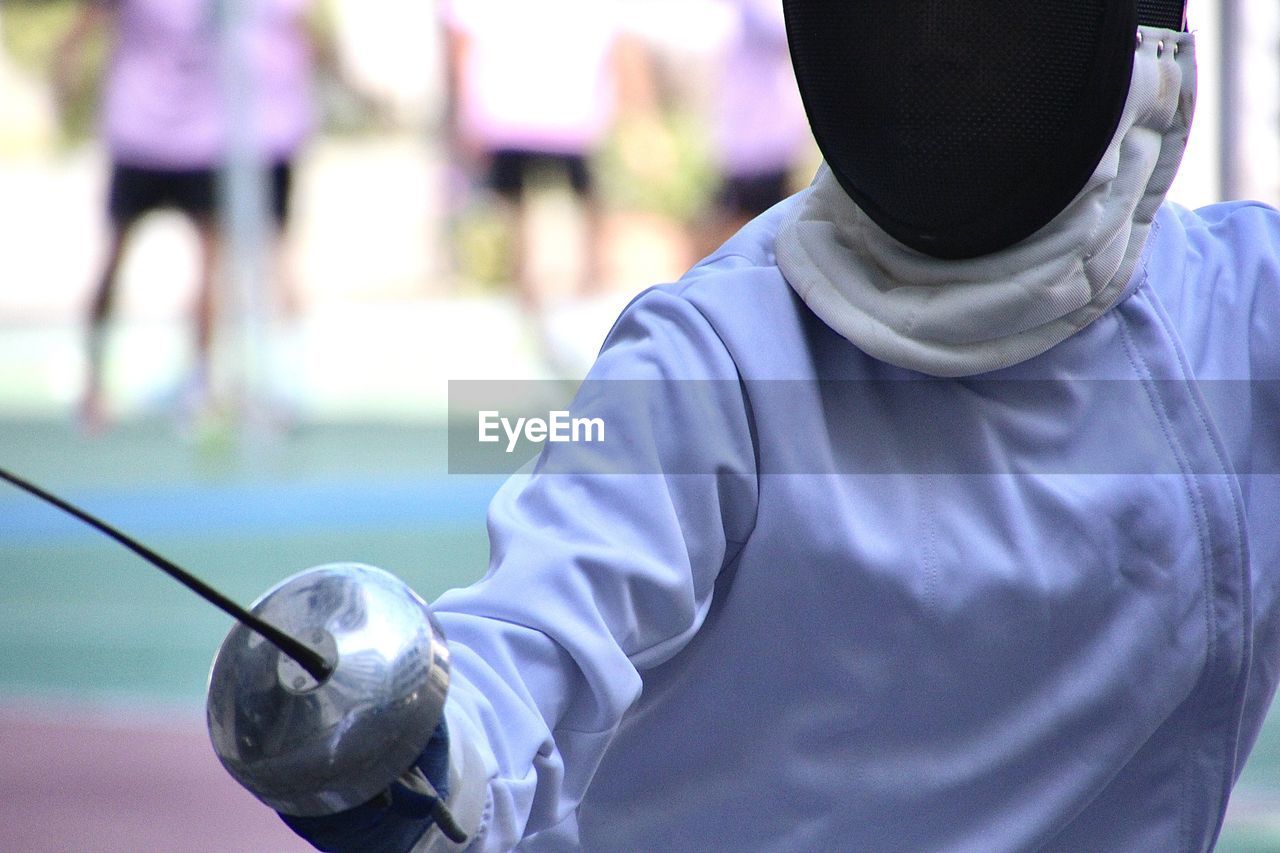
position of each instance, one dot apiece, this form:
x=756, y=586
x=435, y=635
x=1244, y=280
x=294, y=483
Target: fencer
x=949, y=523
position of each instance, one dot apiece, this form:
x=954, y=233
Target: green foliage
x=32, y=31
x=661, y=166
x=481, y=244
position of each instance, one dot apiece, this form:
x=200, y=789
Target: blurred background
x=244, y=246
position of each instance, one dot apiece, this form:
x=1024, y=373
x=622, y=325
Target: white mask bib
x=959, y=318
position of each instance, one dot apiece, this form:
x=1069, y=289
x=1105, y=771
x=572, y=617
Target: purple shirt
x=163, y=101
x=760, y=125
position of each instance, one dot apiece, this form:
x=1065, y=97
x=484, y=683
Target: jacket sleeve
x=1217, y=270
x=603, y=563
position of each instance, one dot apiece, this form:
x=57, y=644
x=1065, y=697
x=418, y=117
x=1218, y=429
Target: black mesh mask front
x=963, y=126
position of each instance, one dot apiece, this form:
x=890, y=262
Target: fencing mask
x=956, y=125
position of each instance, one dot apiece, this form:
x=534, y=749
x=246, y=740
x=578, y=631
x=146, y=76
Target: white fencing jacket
x=1034, y=608
x=808, y=599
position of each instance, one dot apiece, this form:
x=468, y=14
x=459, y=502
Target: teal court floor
x=103, y=660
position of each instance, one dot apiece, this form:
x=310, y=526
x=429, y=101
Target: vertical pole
x=1229, y=171
x=244, y=220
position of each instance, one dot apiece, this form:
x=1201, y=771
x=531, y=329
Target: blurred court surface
x=103, y=660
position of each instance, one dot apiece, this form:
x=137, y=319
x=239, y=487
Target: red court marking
x=84, y=783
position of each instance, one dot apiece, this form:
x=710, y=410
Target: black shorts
x=510, y=170
x=752, y=195
x=136, y=190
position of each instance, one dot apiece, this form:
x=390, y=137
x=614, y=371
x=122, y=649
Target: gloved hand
x=393, y=821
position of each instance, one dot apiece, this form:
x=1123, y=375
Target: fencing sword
x=328, y=688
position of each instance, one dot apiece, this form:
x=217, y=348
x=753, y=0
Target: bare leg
x=718, y=226
x=92, y=404
x=593, y=282
x=205, y=306
x=288, y=304
x=519, y=215
x=284, y=357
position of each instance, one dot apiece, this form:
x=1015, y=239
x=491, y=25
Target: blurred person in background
x=759, y=130
x=165, y=124
x=534, y=89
